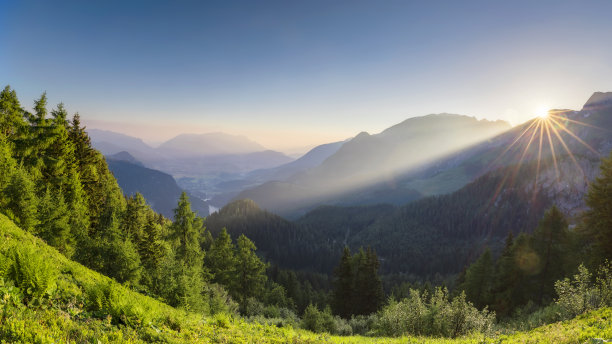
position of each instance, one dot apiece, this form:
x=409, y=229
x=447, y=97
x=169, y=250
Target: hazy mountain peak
x=442, y=121
x=598, y=99
x=211, y=144
x=124, y=156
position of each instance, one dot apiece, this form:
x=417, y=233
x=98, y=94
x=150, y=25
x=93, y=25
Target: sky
x=292, y=74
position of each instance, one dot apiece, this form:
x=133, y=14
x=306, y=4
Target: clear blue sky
x=292, y=73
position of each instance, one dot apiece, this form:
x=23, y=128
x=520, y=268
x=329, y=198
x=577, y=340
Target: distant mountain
x=124, y=156
x=200, y=162
x=516, y=181
x=311, y=159
x=226, y=190
x=158, y=188
x=210, y=144
x=109, y=143
x=365, y=170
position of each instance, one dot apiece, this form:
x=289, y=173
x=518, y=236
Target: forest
x=55, y=187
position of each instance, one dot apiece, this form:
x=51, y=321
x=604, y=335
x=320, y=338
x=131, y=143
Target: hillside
x=159, y=189
x=365, y=169
x=68, y=312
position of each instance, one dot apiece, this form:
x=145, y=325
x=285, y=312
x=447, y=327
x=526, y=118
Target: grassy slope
x=64, y=318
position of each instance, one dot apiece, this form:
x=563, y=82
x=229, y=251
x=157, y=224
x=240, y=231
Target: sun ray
x=518, y=167
x=564, y=128
x=577, y=122
x=535, y=183
x=556, y=132
x=510, y=146
x=552, y=148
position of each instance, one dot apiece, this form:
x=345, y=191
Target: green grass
x=65, y=316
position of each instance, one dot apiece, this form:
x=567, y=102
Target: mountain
x=200, y=162
x=209, y=144
x=516, y=181
x=366, y=169
x=109, y=143
x=225, y=191
x=158, y=188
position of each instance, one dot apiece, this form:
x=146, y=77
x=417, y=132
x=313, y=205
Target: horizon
x=296, y=75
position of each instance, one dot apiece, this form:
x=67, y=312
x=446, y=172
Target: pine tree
x=515, y=270
x=479, y=280
x=221, y=260
x=11, y=114
x=20, y=200
x=368, y=284
x=185, y=231
x=343, y=285
x=135, y=217
x=598, y=218
x=550, y=241
x=53, y=221
x=250, y=271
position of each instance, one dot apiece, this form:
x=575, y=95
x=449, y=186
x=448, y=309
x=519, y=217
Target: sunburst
x=545, y=129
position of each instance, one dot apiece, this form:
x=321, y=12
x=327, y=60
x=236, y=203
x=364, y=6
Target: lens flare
x=544, y=130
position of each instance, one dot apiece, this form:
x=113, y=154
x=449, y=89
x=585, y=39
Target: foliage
x=580, y=294
x=29, y=272
x=434, y=315
x=598, y=218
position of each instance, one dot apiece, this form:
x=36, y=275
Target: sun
x=542, y=112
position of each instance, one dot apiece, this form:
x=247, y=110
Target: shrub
x=105, y=299
x=580, y=295
x=219, y=300
x=438, y=316
x=31, y=273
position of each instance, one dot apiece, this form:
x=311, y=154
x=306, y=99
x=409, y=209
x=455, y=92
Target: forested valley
x=465, y=269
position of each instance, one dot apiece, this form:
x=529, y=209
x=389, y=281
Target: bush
x=219, y=300
x=105, y=299
x=434, y=316
x=31, y=273
x=580, y=295
x=362, y=324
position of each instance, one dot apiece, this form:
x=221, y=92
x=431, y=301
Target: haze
x=293, y=74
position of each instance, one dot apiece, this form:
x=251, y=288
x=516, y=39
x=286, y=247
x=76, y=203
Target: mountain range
x=515, y=180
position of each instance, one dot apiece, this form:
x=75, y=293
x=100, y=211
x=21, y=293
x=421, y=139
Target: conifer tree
x=20, y=200
x=221, y=260
x=368, y=285
x=185, y=231
x=250, y=271
x=479, y=280
x=550, y=241
x=53, y=221
x=343, y=285
x=11, y=114
x=598, y=218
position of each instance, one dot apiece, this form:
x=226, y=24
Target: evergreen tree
x=53, y=221
x=185, y=231
x=598, y=218
x=343, y=285
x=250, y=271
x=368, y=285
x=479, y=280
x=221, y=260
x=152, y=252
x=512, y=286
x=550, y=241
x=135, y=217
x=11, y=114
x=20, y=200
